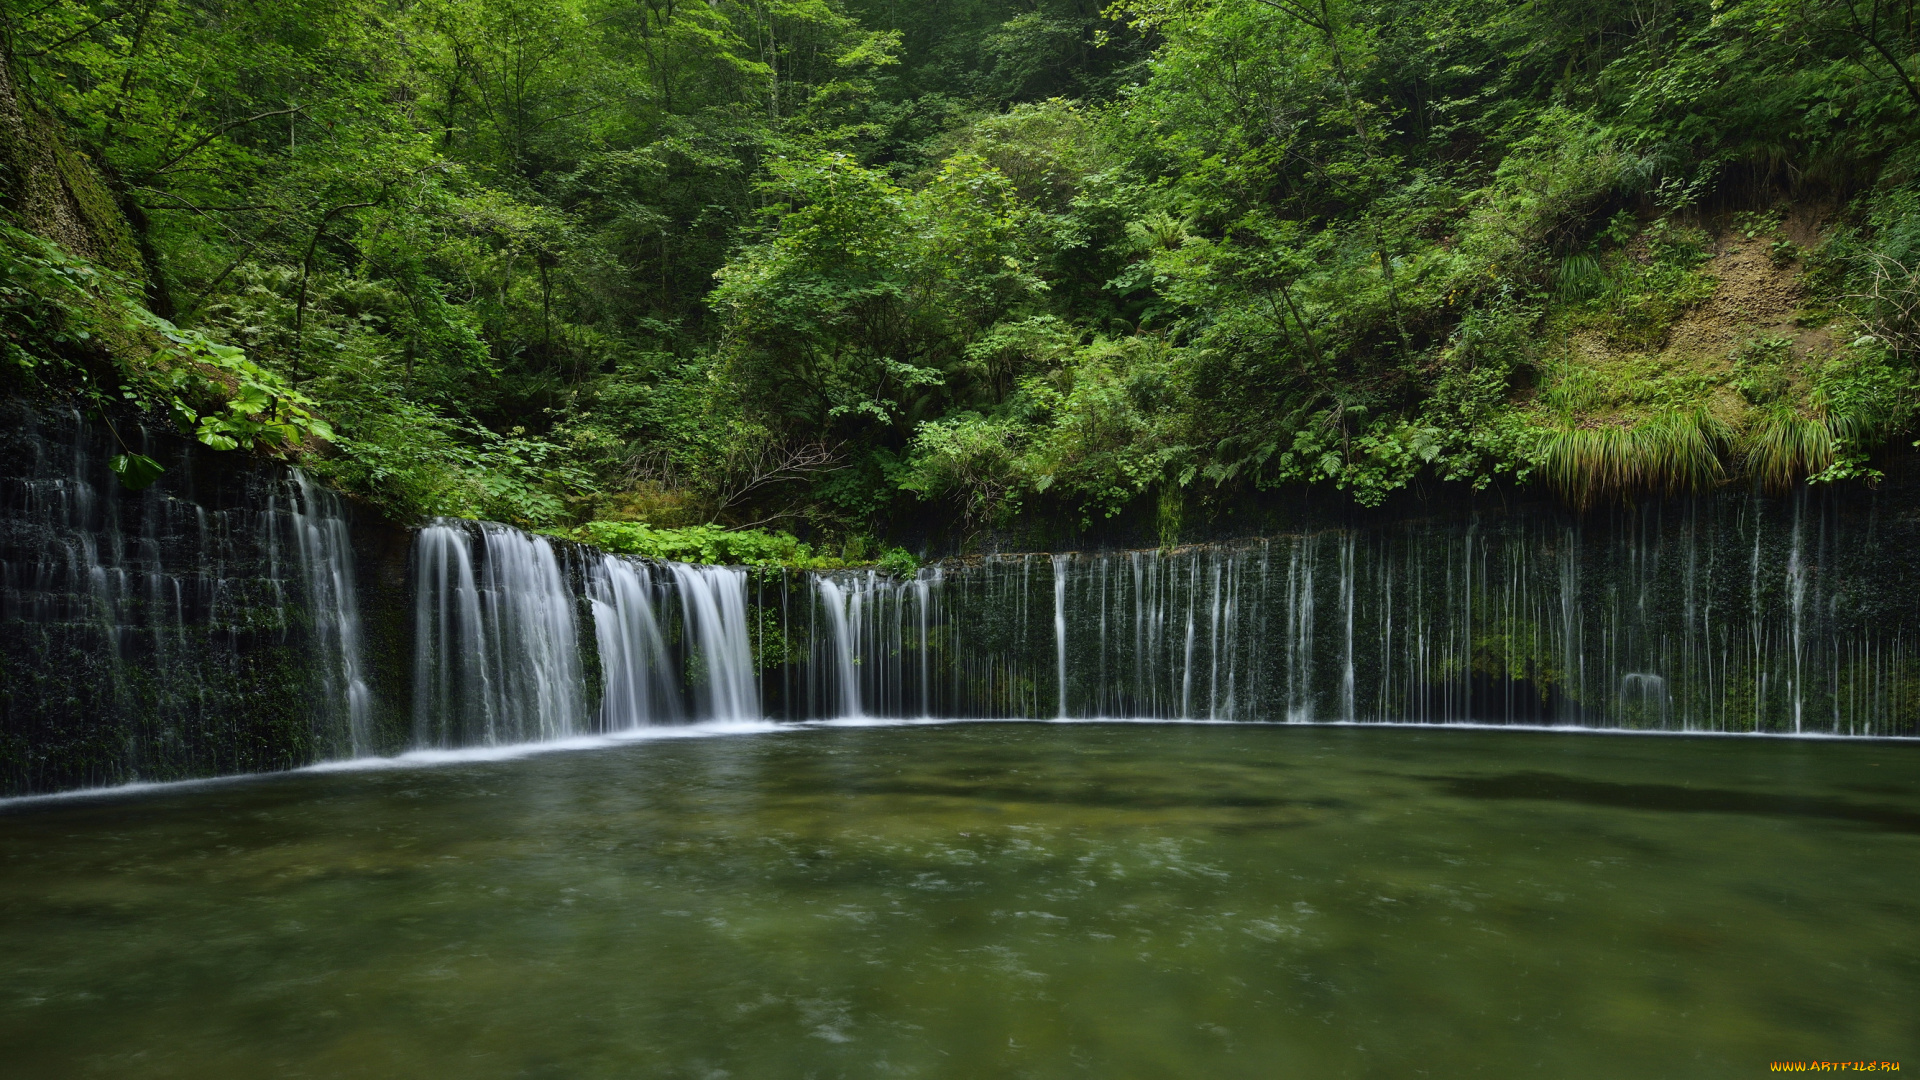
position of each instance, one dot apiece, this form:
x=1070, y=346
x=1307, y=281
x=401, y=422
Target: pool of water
x=985, y=900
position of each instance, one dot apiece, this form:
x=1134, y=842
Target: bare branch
x=1892, y=299
x=651, y=466
x=754, y=471
x=781, y=516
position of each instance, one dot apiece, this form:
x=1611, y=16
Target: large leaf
x=137, y=472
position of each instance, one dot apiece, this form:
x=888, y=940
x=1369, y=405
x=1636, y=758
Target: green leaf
x=137, y=472
x=216, y=436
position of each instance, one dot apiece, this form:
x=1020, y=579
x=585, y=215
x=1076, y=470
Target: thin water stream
x=975, y=900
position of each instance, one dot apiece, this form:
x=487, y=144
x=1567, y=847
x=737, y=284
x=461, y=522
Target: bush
x=711, y=544
x=61, y=311
x=699, y=544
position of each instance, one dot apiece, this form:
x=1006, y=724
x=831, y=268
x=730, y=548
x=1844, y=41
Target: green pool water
x=985, y=900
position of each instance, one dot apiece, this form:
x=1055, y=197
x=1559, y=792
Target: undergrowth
x=74, y=327
x=1631, y=289
x=742, y=547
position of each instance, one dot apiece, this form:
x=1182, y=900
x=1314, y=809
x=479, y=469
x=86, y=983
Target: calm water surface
x=985, y=900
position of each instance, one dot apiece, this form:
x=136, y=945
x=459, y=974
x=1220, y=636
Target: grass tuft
x=1668, y=454
x=1783, y=447
x=1580, y=277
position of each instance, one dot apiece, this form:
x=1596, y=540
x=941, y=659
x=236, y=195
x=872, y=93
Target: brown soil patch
x=1806, y=223
x=1754, y=297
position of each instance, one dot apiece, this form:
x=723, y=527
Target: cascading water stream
x=1703, y=620
x=714, y=600
x=842, y=609
x=216, y=623
x=497, y=657
x=877, y=643
x=639, y=688
x=326, y=554
x=1060, y=565
x=207, y=624
x=923, y=588
x=498, y=650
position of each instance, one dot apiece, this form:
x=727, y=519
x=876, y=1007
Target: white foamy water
x=440, y=758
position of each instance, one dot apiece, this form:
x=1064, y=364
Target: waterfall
x=498, y=654
x=877, y=645
x=1797, y=603
x=497, y=657
x=923, y=599
x=843, y=615
x=1060, y=565
x=639, y=686
x=220, y=621
x=714, y=599
x=207, y=624
x=1724, y=614
x=326, y=555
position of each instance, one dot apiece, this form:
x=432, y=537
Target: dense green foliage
x=669, y=271
x=735, y=547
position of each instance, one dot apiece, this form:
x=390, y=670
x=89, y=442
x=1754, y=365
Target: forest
x=790, y=280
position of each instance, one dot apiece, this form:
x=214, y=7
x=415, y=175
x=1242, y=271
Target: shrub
x=711, y=544
x=699, y=544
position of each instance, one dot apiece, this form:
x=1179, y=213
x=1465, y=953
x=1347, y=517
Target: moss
x=1516, y=650
x=52, y=191
x=773, y=647
x=114, y=244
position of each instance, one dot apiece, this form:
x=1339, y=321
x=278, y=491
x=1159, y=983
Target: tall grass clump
x=1666, y=454
x=1580, y=277
x=1782, y=447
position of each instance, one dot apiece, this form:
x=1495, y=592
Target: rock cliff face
x=232, y=617
x=236, y=617
x=1730, y=612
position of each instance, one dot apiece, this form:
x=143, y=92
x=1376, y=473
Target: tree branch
x=306, y=272
x=209, y=137
x=76, y=34
x=1298, y=11
x=1870, y=33
x=778, y=464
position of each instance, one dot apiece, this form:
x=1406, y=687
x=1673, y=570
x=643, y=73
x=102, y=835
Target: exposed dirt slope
x=1757, y=296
